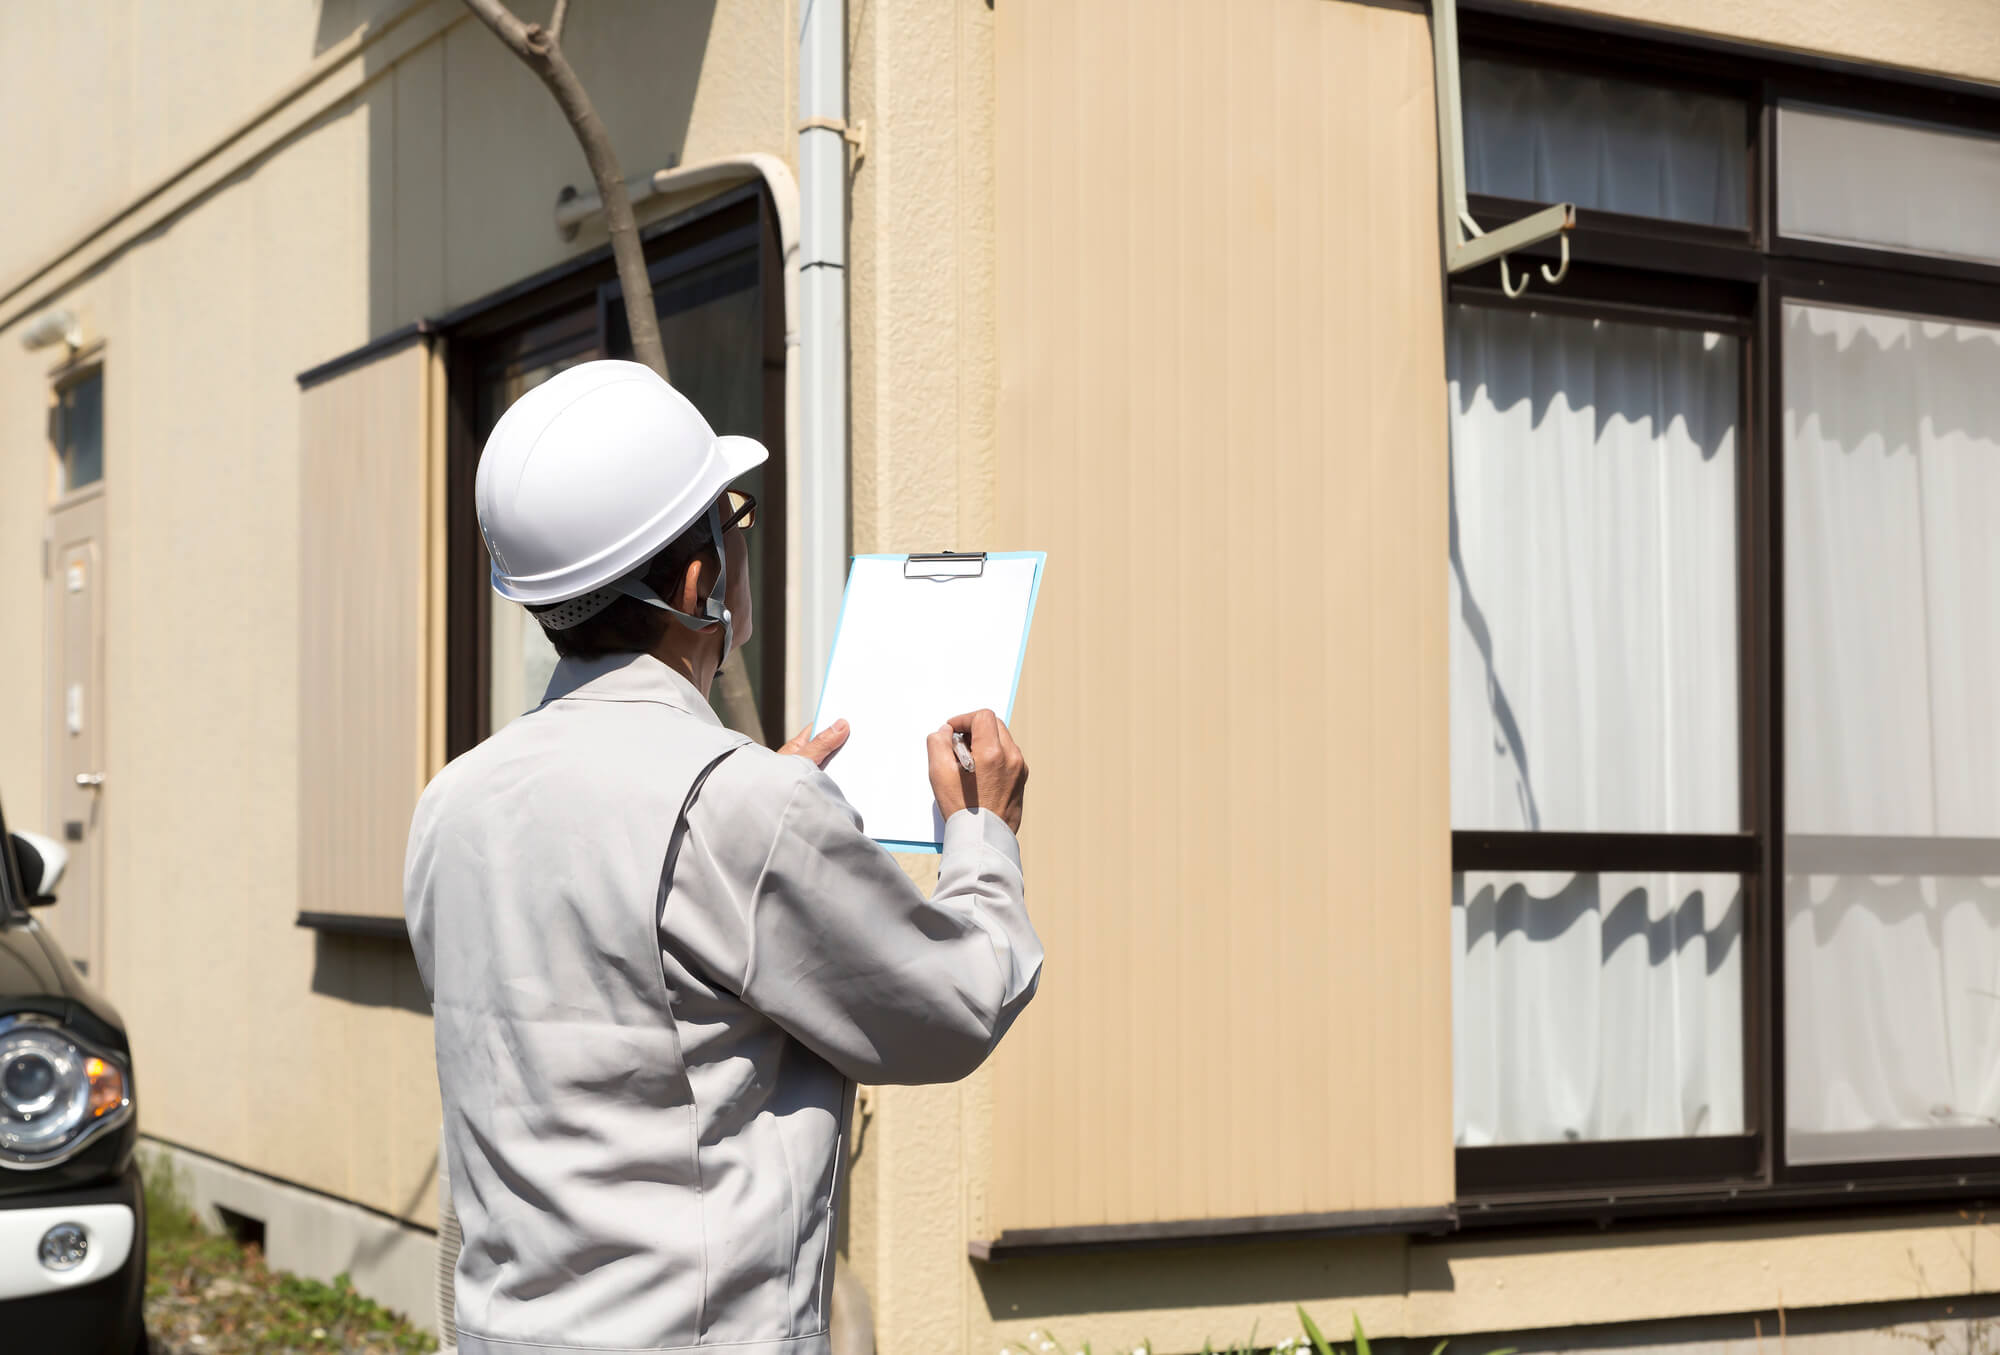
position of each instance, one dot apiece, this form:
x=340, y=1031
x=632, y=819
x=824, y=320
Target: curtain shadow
x=1892, y=381
x=1497, y=911
x=1889, y=901
x=1638, y=373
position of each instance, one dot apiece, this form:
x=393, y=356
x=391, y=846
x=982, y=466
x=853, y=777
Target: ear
x=696, y=579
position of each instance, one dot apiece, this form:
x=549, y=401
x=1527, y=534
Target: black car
x=72, y=1214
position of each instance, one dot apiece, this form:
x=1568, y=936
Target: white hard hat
x=587, y=476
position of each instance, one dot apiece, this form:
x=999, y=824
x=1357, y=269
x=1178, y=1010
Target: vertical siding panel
x=1221, y=412
x=1103, y=691
x=1426, y=1041
x=1149, y=905
x=1009, y=1179
x=1185, y=972
x=1253, y=619
x=363, y=551
x=1349, y=843
x=1205, y=850
x=1064, y=127
x=1295, y=498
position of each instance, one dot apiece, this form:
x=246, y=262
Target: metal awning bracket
x=1466, y=244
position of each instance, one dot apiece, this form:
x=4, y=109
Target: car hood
x=27, y=969
x=35, y=976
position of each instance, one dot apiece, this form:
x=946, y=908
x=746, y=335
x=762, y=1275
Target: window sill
x=1652, y=1206
x=356, y=924
x=1015, y=1243
x=1640, y=1207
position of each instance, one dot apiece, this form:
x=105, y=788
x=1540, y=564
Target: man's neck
x=689, y=653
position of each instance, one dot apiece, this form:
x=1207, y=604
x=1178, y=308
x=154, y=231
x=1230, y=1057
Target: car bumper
x=95, y=1307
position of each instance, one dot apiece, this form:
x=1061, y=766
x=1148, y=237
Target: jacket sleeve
x=784, y=900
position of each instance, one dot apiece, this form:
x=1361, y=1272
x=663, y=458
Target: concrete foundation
x=312, y=1234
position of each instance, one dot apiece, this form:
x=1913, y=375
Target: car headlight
x=56, y=1092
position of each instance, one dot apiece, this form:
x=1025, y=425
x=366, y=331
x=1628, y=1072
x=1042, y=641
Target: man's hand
x=820, y=749
x=999, y=775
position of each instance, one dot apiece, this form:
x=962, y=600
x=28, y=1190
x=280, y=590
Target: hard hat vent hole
x=576, y=611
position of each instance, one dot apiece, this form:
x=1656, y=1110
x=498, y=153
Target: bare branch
x=556, y=19
x=505, y=26
x=541, y=49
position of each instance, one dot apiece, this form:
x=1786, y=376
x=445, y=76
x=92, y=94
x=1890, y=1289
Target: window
x=1594, y=690
x=79, y=421
x=715, y=288
x=1923, y=189
x=1892, y=768
x=1725, y=763
x=1611, y=145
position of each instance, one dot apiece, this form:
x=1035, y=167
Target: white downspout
x=818, y=494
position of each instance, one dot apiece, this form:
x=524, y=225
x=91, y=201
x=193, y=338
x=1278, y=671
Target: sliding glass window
x=1892, y=736
x=1594, y=690
x=1724, y=612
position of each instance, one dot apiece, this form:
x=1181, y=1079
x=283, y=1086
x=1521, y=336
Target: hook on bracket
x=1563, y=270
x=1551, y=277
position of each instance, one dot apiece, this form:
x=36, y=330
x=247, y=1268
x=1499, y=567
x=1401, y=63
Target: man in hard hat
x=660, y=955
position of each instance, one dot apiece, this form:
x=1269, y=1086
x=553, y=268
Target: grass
x=208, y=1285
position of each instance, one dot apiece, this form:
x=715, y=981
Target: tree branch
x=541, y=49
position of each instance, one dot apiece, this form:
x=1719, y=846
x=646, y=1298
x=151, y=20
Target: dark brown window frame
x=1668, y=273
x=712, y=229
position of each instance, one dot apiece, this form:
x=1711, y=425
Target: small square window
x=80, y=432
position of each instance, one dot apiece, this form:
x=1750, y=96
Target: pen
x=964, y=753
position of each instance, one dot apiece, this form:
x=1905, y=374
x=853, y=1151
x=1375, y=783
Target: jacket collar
x=627, y=677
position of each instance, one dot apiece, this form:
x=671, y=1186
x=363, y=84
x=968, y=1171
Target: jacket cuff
x=971, y=828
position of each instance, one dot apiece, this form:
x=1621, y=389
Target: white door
x=76, y=722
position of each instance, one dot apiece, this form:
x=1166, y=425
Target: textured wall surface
x=1944, y=37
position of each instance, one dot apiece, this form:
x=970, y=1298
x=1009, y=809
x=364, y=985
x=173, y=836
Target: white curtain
x=1551, y=136
x=1593, y=688
x=1892, y=731
x=1880, y=181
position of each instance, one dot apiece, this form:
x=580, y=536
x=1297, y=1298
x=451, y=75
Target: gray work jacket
x=659, y=955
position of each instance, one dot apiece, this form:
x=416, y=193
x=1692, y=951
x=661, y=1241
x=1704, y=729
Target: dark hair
x=629, y=626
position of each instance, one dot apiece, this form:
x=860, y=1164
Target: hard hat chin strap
x=714, y=610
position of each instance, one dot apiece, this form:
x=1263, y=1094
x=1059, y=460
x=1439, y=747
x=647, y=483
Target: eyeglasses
x=739, y=509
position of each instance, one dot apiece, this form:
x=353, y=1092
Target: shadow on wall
x=1327, y=1278
x=370, y=971
x=1322, y=1275
x=340, y=20
x=467, y=151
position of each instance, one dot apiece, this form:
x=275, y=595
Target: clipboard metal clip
x=946, y=565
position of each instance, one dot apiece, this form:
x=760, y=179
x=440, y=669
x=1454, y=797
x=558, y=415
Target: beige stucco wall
x=1943, y=37
x=419, y=172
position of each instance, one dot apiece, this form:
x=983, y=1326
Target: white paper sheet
x=911, y=653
